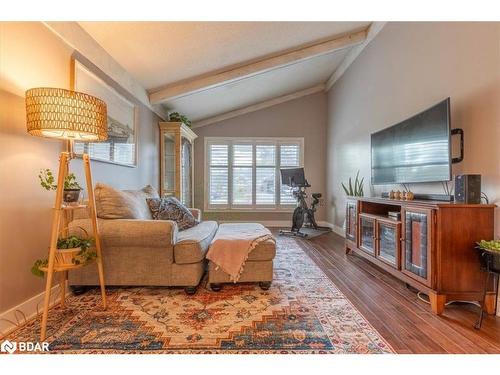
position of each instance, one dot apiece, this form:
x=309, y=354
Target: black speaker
x=468, y=188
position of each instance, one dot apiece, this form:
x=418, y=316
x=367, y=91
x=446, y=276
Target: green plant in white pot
x=71, y=251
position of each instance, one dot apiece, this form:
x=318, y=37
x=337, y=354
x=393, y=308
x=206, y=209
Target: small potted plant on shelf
x=71, y=187
x=177, y=117
x=71, y=251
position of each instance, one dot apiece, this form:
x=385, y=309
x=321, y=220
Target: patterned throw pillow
x=171, y=209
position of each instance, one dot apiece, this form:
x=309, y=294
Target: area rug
x=302, y=312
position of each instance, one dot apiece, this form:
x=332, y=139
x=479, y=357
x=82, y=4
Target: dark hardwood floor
x=405, y=321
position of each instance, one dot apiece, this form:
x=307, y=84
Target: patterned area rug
x=303, y=312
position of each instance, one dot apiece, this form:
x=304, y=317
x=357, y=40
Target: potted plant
x=356, y=189
x=177, y=117
x=71, y=187
x=71, y=251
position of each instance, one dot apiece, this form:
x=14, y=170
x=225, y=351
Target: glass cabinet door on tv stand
x=176, y=161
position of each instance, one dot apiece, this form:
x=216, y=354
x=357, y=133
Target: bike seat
x=316, y=195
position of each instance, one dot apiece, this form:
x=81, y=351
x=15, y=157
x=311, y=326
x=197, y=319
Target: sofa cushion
x=192, y=244
x=171, y=209
x=123, y=233
x=112, y=203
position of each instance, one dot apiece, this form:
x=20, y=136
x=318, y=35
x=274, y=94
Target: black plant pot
x=71, y=195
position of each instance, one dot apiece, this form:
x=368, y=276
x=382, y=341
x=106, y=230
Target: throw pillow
x=112, y=203
x=171, y=209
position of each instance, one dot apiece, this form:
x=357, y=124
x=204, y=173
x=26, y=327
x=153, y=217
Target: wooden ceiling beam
x=373, y=30
x=245, y=70
x=259, y=106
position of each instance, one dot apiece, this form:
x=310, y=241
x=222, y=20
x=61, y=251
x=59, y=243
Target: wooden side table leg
x=490, y=303
x=46, y=301
x=490, y=299
x=437, y=302
x=64, y=279
x=93, y=216
x=56, y=221
x=101, y=279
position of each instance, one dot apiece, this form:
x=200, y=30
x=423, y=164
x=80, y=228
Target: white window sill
x=248, y=210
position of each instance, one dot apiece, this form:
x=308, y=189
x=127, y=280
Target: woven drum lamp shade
x=66, y=114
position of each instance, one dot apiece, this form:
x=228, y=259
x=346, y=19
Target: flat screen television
x=415, y=150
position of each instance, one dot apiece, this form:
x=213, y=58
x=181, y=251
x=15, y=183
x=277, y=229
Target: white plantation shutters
x=218, y=165
x=289, y=155
x=265, y=174
x=242, y=162
x=245, y=173
x=290, y=158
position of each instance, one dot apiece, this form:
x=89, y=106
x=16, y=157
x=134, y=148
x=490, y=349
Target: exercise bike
x=295, y=179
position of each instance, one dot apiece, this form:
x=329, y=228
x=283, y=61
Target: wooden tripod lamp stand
x=67, y=115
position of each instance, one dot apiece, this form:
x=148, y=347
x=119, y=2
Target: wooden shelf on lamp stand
x=59, y=214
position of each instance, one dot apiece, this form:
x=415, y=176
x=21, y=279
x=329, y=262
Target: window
x=244, y=173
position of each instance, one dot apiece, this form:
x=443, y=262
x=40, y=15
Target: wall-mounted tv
x=415, y=150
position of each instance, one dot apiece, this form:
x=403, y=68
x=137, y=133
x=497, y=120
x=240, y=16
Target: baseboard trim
x=28, y=308
x=339, y=230
x=266, y=223
x=286, y=224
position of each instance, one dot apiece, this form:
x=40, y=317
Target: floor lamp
x=67, y=115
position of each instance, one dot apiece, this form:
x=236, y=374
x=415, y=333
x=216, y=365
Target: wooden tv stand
x=431, y=247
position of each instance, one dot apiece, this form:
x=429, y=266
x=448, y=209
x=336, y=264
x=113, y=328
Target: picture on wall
x=121, y=145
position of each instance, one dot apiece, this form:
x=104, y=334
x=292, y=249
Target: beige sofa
x=141, y=251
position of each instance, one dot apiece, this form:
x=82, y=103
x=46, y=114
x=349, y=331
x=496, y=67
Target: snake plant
x=356, y=189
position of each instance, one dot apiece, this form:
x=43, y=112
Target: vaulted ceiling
x=172, y=60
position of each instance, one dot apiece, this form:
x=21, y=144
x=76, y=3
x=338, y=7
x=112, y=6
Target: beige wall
x=31, y=56
x=303, y=117
x=407, y=68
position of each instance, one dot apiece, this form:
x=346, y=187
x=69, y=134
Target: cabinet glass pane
x=416, y=237
x=351, y=221
x=367, y=234
x=169, y=162
x=388, y=242
x=186, y=172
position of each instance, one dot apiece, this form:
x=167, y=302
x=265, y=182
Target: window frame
x=254, y=207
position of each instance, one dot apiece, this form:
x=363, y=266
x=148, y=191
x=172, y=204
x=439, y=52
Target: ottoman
x=258, y=267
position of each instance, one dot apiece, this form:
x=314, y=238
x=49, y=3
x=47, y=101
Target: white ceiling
x=160, y=53
x=255, y=89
